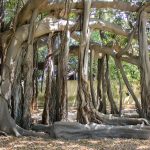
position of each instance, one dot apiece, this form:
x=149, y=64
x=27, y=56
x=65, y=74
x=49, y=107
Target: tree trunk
x=1, y=63
x=99, y=83
x=17, y=93
x=53, y=101
x=1, y=15
x=34, y=103
x=104, y=87
x=28, y=74
x=59, y=100
x=144, y=65
x=114, y=109
x=137, y=104
x=7, y=124
x=120, y=92
x=83, y=96
x=45, y=115
x=62, y=76
x=1, y=47
x=91, y=80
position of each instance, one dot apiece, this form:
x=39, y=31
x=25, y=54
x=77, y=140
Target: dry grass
x=72, y=92
x=30, y=143
x=127, y=100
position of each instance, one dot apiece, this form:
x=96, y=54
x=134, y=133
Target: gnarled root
x=7, y=124
x=74, y=131
x=111, y=120
x=24, y=132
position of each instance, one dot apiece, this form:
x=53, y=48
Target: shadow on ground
x=27, y=143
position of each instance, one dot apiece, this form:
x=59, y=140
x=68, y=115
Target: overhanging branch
x=52, y=5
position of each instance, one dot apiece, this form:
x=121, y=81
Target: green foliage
x=72, y=15
x=113, y=70
x=132, y=72
x=95, y=36
x=10, y=9
x=42, y=53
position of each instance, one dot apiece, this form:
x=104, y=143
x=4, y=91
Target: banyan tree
x=55, y=24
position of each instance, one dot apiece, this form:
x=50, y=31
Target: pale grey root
x=75, y=131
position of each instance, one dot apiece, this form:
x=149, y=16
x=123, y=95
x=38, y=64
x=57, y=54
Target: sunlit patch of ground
x=29, y=143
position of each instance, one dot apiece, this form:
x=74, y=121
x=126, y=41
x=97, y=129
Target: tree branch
x=52, y=5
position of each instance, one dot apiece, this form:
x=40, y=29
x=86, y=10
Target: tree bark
x=99, y=83
x=91, y=80
x=83, y=96
x=17, y=92
x=138, y=106
x=104, y=87
x=28, y=74
x=7, y=124
x=120, y=92
x=114, y=109
x=45, y=115
x=144, y=65
x=34, y=102
x=1, y=47
x=53, y=6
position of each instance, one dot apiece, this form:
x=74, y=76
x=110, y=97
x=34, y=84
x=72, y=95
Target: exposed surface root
x=3, y=133
x=24, y=132
x=7, y=124
x=111, y=120
x=41, y=128
x=74, y=131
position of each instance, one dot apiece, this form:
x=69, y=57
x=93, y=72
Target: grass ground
x=32, y=143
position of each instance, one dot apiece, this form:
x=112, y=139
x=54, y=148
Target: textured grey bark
x=48, y=94
x=7, y=124
x=1, y=42
x=104, y=86
x=34, y=103
x=17, y=93
x=62, y=75
x=95, y=103
x=99, y=83
x=83, y=96
x=53, y=97
x=28, y=74
x=114, y=109
x=76, y=131
x=144, y=65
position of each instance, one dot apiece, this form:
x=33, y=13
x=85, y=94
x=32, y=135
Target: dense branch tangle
x=28, y=28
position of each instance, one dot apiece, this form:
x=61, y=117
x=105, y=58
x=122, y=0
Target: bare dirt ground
x=32, y=143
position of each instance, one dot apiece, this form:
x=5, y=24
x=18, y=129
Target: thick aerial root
x=7, y=124
x=24, y=132
x=74, y=131
x=41, y=128
x=100, y=118
x=111, y=120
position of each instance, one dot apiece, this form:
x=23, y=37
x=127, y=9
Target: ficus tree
x=34, y=19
